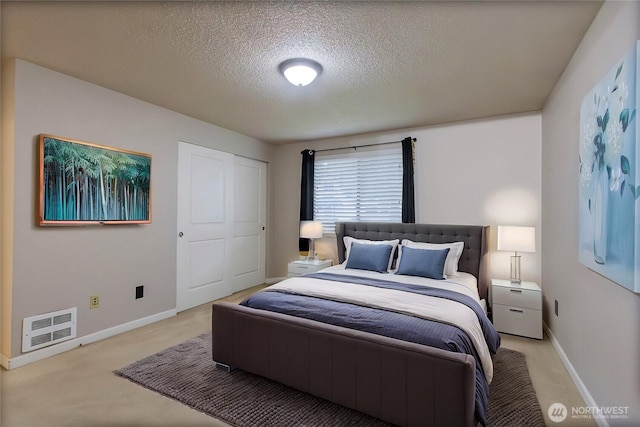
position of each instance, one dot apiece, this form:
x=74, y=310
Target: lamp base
x=515, y=269
x=312, y=252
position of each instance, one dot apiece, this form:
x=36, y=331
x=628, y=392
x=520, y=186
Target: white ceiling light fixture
x=300, y=71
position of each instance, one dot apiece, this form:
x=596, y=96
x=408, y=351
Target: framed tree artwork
x=83, y=183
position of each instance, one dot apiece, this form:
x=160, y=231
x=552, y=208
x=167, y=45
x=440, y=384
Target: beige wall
x=478, y=172
x=598, y=320
x=54, y=268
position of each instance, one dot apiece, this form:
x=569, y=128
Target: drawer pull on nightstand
x=516, y=290
x=515, y=310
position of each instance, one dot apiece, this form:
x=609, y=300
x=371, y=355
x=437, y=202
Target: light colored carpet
x=186, y=373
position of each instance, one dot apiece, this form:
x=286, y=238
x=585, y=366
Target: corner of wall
x=7, y=91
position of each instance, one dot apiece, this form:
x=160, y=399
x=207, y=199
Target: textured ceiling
x=387, y=65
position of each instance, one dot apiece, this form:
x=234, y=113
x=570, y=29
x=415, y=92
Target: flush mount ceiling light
x=300, y=71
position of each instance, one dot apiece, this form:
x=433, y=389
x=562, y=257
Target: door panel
x=248, y=259
x=207, y=190
x=248, y=266
x=247, y=197
x=205, y=225
x=206, y=262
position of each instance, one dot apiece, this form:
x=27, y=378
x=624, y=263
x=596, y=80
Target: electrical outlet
x=556, y=308
x=139, y=291
x=94, y=301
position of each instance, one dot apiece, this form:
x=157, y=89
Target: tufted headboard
x=475, y=237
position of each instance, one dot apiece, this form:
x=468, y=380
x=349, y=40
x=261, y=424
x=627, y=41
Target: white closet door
x=248, y=260
x=205, y=225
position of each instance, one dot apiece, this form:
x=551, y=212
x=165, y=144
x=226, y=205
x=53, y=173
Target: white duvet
x=426, y=307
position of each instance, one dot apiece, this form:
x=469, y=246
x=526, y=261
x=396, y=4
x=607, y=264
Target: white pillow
x=455, y=252
x=348, y=240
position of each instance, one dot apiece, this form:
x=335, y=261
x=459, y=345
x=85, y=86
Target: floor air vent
x=47, y=329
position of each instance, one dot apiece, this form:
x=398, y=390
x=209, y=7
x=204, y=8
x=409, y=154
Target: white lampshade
x=516, y=239
x=310, y=229
x=300, y=71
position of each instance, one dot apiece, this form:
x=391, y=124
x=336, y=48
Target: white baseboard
x=584, y=392
x=24, y=359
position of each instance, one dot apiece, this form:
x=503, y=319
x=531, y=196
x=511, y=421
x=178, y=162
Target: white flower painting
x=609, y=215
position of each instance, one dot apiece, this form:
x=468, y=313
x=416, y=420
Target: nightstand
x=300, y=267
x=517, y=308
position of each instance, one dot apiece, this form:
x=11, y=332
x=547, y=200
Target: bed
x=398, y=373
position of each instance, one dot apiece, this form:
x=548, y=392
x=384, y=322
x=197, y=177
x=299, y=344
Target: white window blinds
x=361, y=186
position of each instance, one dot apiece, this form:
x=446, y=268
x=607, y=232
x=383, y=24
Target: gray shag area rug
x=186, y=373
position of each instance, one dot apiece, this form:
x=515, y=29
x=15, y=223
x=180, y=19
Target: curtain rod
x=355, y=147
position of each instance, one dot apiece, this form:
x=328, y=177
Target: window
x=361, y=186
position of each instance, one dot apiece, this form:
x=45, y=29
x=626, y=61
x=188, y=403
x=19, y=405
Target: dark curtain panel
x=306, y=193
x=408, y=196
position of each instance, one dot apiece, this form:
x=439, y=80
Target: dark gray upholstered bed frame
x=404, y=383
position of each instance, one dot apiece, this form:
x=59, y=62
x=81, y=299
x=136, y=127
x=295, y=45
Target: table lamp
x=516, y=239
x=311, y=230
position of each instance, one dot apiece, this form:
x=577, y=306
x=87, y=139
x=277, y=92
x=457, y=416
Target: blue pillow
x=423, y=262
x=369, y=257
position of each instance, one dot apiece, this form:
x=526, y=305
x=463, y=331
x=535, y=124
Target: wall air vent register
x=49, y=328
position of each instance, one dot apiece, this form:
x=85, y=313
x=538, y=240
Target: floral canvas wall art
x=609, y=207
